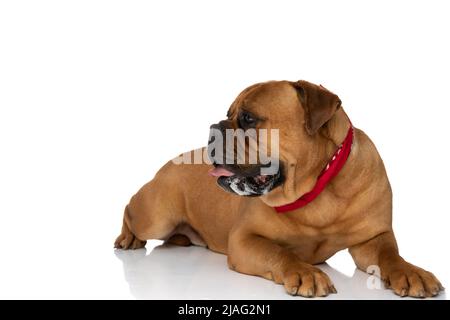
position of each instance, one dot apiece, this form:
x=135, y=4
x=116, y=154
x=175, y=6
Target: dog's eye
x=247, y=120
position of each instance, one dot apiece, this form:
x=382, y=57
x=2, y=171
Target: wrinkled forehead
x=260, y=98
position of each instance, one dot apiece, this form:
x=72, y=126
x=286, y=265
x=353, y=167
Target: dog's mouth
x=251, y=185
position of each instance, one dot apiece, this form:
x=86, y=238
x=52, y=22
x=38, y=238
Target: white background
x=96, y=95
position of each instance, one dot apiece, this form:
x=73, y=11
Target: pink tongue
x=220, y=172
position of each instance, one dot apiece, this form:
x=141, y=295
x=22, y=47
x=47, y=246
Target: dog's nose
x=213, y=131
x=218, y=129
x=215, y=142
x=222, y=125
x=215, y=126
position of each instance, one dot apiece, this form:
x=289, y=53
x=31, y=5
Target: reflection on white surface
x=171, y=272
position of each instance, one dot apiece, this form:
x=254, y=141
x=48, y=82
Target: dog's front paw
x=406, y=279
x=307, y=281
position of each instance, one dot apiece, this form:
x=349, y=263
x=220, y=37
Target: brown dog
x=184, y=205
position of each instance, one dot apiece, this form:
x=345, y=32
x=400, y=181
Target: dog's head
x=253, y=162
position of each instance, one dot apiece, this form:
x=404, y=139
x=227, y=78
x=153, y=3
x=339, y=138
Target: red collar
x=329, y=172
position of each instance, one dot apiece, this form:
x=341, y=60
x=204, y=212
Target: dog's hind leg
x=156, y=212
x=179, y=240
x=127, y=239
x=151, y=214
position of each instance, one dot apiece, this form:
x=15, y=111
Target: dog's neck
x=335, y=130
x=331, y=138
x=332, y=135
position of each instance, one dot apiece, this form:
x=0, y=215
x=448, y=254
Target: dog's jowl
x=291, y=183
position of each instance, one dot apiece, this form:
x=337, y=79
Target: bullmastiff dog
x=330, y=192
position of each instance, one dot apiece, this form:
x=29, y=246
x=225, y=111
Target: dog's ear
x=319, y=104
